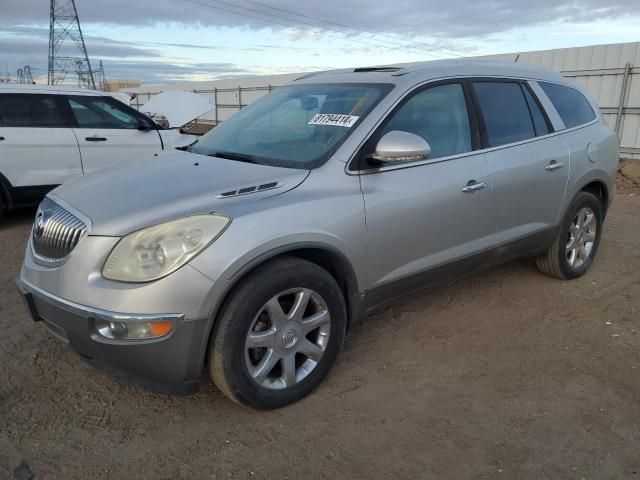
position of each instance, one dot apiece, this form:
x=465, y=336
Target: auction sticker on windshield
x=336, y=120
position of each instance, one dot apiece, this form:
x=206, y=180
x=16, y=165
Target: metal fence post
x=239, y=97
x=215, y=102
x=623, y=97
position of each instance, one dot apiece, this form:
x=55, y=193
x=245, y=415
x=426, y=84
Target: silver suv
x=253, y=251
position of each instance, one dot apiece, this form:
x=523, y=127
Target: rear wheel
x=278, y=334
x=576, y=244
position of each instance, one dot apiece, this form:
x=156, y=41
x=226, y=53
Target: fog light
x=133, y=330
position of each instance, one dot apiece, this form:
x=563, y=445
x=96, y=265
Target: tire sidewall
x=251, y=298
x=582, y=200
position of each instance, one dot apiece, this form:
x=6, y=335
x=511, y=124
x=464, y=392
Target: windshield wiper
x=241, y=157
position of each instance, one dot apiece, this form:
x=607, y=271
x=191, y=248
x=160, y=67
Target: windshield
x=297, y=126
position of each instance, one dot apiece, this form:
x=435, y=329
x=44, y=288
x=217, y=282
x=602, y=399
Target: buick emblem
x=38, y=229
x=290, y=338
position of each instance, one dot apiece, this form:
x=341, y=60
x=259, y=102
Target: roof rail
x=422, y=65
x=323, y=72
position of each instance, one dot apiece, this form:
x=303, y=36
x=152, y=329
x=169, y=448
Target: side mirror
x=398, y=146
x=145, y=124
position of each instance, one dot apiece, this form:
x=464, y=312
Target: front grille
x=56, y=231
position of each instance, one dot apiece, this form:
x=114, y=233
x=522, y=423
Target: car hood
x=178, y=107
x=133, y=195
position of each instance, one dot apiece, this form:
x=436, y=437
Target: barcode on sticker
x=334, y=119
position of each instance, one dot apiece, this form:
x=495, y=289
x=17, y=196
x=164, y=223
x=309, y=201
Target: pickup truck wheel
x=278, y=334
x=576, y=244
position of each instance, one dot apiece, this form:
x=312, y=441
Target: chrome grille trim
x=55, y=232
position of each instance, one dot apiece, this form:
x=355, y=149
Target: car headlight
x=157, y=251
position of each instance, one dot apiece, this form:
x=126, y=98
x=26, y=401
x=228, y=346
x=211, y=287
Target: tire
x=561, y=260
x=257, y=342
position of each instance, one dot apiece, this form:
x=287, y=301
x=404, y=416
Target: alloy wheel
x=287, y=338
x=581, y=237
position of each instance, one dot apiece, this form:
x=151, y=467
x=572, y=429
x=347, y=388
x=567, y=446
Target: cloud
x=432, y=25
x=408, y=17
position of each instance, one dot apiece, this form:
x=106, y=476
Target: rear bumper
x=171, y=364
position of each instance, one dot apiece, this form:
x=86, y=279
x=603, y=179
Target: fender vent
x=247, y=190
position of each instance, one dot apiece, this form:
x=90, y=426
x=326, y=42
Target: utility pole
x=65, y=36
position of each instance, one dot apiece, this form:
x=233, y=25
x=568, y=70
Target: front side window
x=505, y=112
x=573, y=108
x=296, y=126
x=29, y=110
x=439, y=115
x=100, y=112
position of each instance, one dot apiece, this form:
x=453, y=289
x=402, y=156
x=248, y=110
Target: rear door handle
x=95, y=138
x=553, y=165
x=1, y=138
x=473, y=186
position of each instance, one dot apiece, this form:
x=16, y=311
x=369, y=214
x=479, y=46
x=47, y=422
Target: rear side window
x=573, y=108
x=505, y=112
x=29, y=110
x=539, y=120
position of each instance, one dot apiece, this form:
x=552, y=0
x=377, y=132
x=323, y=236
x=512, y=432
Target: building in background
x=115, y=85
x=610, y=72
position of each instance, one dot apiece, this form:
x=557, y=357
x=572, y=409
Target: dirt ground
x=504, y=374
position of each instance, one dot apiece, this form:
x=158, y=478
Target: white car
x=51, y=134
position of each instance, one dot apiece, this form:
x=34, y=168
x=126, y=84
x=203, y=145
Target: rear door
x=429, y=213
x=529, y=168
x=38, y=149
x=108, y=132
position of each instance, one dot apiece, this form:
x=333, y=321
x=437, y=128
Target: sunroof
x=376, y=69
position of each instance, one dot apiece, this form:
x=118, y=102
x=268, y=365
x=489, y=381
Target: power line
x=294, y=24
x=330, y=22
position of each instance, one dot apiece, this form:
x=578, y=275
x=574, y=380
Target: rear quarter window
x=574, y=109
x=29, y=110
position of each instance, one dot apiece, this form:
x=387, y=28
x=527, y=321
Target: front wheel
x=576, y=244
x=278, y=335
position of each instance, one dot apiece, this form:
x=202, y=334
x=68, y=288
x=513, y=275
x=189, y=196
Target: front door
x=108, y=132
x=430, y=213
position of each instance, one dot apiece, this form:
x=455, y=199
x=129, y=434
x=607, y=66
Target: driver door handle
x=473, y=186
x=95, y=138
x=553, y=165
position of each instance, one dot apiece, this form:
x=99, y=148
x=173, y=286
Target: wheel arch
x=600, y=190
x=323, y=255
x=5, y=192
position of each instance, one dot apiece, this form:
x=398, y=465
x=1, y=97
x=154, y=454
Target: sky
x=159, y=41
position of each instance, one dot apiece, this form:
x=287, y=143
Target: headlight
x=155, y=252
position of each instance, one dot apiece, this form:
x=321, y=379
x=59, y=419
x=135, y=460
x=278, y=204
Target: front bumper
x=170, y=364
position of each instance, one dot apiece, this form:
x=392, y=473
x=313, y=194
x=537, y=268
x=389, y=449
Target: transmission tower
x=66, y=45
x=102, y=79
x=24, y=75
